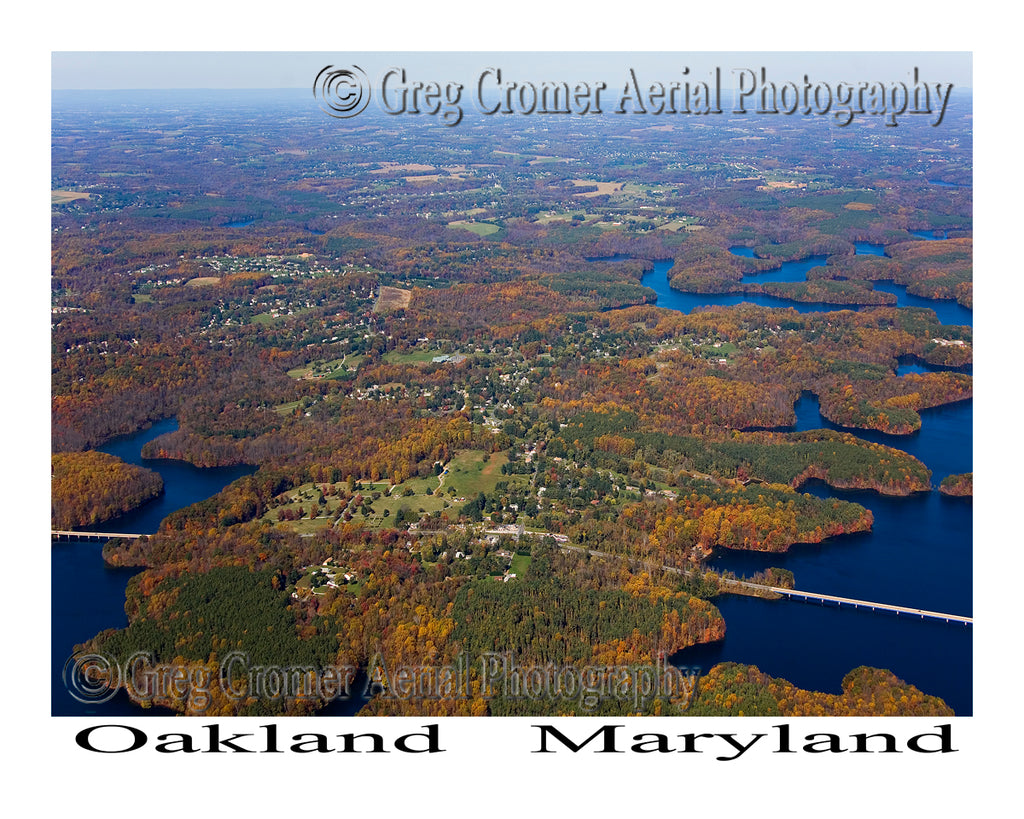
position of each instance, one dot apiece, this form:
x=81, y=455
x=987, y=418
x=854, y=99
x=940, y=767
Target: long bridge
x=63, y=534
x=806, y=596
x=815, y=597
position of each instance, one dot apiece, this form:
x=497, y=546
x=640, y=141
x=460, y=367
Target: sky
x=83, y=70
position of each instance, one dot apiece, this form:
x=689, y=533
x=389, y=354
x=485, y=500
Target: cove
x=795, y=271
x=944, y=443
x=184, y=484
x=814, y=647
x=657, y=280
x=948, y=312
x=88, y=596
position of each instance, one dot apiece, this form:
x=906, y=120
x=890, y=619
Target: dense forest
x=472, y=429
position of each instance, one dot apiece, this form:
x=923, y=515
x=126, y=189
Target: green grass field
x=306, y=526
x=419, y=485
x=305, y=496
x=567, y=216
x=520, y=563
x=415, y=357
x=391, y=505
x=268, y=318
x=479, y=228
x=677, y=224
x=470, y=474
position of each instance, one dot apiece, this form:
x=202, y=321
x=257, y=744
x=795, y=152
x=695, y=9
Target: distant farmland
x=392, y=298
x=479, y=228
x=62, y=197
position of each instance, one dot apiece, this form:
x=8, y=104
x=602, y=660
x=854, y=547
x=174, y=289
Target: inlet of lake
x=948, y=311
x=918, y=554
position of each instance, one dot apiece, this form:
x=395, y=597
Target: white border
x=488, y=768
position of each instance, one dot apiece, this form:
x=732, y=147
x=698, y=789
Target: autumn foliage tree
x=89, y=487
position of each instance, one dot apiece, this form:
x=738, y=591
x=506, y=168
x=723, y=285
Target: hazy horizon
x=231, y=70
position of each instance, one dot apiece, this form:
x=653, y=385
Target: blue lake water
x=184, y=484
x=926, y=535
x=243, y=223
x=795, y=271
x=907, y=367
x=869, y=249
x=904, y=369
x=740, y=250
x=918, y=554
x=814, y=647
